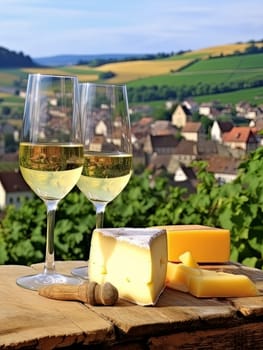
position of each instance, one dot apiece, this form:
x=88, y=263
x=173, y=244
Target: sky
x=43, y=28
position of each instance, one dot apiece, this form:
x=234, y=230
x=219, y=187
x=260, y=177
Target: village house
x=219, y=128
x=180, y=174
x=181, y=116
x=245, y=110
x=252, y=113
x=12, y=189
x=186, y=152
x=257, y=125
x=191, y=105
x=206, y=109
x=192, y=131
x=207, y=148
x=101, y=128
x=185, y=177
x=241, y=138
x=162, y=127
x=160, y=144
x=140, y=130
x=209, y=110
x=225, y=169
x=242, y=107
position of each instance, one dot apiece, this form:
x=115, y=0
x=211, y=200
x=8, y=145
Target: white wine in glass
x=51, y=156
x=107, y=149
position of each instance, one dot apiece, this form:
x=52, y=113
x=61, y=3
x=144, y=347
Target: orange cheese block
x=206, y=244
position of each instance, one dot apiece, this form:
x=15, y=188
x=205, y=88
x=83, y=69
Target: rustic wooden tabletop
x=178, y=321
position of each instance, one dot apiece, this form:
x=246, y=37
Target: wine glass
x=107, y=147
x=51, y=156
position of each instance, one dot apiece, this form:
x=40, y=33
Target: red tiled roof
x=13, y=181
x=237, y=134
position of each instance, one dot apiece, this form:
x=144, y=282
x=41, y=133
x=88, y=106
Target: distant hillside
x=12, y=59
x=213, y=72
x=69, y=60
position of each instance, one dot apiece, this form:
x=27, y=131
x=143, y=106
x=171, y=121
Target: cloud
x=48, y=27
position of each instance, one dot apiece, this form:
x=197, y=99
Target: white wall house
x=219, y=128
x=12, y=189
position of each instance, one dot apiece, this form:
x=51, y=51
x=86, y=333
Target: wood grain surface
x=178, y=321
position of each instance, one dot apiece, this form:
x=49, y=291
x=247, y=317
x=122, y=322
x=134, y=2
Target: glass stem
x=49, y=266
x=100, y=210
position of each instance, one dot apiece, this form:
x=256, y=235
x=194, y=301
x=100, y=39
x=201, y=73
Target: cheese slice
x=134, y=260
x=207, y=244
x=207, y=283
x=221, y=284
x=178, y=276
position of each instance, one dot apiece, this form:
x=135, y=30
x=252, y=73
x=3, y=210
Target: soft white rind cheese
x=134, y=260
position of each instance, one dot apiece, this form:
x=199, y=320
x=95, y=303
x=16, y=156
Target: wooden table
x=178, y=321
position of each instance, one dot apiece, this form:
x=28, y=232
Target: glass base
x=35, y=282
x=81, y=272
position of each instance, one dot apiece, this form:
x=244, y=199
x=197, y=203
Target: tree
x=10, y=59
x=6, y=110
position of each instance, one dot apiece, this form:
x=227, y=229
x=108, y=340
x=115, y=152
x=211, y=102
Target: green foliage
x=237, y=206
x=23, y=230
x=106, y=75
x=146, y=201
x=201, y=88
x=75, y=220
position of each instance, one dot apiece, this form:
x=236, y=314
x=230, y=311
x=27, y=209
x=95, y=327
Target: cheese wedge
x=207, y=244
x=207, y=283
x=134, y=260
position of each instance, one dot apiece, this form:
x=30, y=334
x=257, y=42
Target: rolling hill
x=137, y=70
x=216, y=65
x=68, y=60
